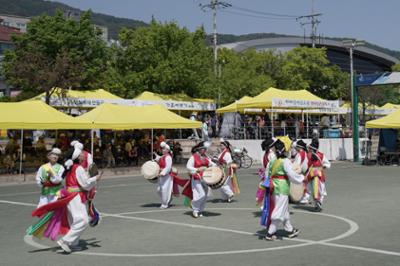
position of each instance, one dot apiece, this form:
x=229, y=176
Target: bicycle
x=241, y=158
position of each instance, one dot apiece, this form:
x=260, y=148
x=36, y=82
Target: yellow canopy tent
x=233, y=107
x=360, y=106
x=98, y=94
x=390, y=121
x=178, y=101
x=35, y=115
x=120, y=117
x=390, y=106
x=151, y=96
x=264, y=99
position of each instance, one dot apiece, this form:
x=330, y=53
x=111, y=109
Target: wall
x=334, y=149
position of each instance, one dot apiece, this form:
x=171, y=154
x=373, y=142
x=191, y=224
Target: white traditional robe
x=77, y=212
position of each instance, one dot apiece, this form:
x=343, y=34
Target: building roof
x=6, y=33
x=335, y=49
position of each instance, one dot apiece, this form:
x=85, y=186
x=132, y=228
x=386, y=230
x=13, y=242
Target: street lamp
x=350, y=45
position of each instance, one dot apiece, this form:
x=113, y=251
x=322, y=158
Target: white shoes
x=64, y=246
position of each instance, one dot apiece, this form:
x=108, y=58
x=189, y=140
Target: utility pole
x=214, y=5
x=313, y=21
x=350, y=45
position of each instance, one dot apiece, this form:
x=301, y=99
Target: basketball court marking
x=303, y=242
x=326, y=242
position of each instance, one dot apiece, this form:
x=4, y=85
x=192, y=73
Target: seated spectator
x=9, y=163
x=119, y=155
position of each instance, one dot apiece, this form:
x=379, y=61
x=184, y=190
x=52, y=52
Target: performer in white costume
x=49, y=178
x=281, y=175
x=301, y=159
x=225, y=160
x=196, y=165
x=77, y=181
x=165, y=181
x=317, y=162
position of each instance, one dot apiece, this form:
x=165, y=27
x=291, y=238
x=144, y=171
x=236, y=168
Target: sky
x=370, y=20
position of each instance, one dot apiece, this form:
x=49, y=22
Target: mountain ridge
x=31, y=8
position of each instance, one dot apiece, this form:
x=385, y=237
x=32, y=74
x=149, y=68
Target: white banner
x=92, y=103
x=293, y=103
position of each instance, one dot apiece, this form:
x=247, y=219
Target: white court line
x=38, y=191
x=29, y=240
x=326, y=242
x=305, y=242
x=17, y=203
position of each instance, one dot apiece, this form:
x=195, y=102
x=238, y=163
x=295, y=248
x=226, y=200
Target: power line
x=257, y=16
x=263, y=13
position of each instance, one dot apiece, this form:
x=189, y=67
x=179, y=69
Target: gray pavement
x=358, y=226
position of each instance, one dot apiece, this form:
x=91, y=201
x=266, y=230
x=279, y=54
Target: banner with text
x=292, y=103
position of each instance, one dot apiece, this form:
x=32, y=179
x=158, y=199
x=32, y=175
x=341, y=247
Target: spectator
x=204, y=130
x=11, y=147
x=109, y=156
x=214, y=121
x=9, y=163
x=325, y=121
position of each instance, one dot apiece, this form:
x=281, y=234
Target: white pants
x=200, y=192
x=226, y=191
x=322, y=190
x=164, y=189
x=78, y=220
x=280, y=214
x=45, y=199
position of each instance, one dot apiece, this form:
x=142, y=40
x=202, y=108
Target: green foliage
x=396, y=68
x=251, y=72
x=245, y=73
x=56, y=52
x=309, y=68
x=164, y=58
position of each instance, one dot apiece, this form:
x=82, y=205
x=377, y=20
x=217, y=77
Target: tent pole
x=272, y=122
x=180, y=130
x=21, y=152
x=152, y=142
x=307, y=123
x=92, y=142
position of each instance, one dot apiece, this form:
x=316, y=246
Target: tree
x=164, y=58
x=244, y=73
x=396, y=68
x=309, y=68
x=56, y=52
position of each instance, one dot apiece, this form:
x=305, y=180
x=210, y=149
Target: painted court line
x=353, y=228
x=38, y=191
x=18, y=203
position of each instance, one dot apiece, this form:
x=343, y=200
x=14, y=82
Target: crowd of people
x=127, y=148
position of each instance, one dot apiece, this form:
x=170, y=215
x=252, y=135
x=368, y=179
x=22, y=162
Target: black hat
x=225, y=142
x=280, y=148
x=301, y=144
x=267, y=143
x=314, y=144
x=201, y=145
